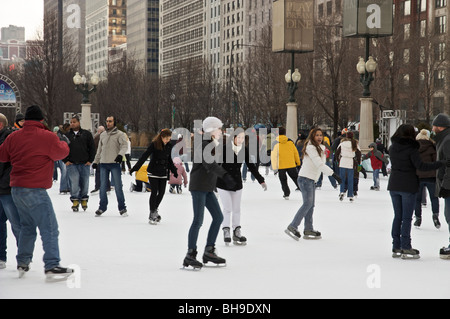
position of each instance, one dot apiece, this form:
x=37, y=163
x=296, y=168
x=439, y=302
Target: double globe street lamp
x=366, y=70
x=292, y=80
x=82, y=86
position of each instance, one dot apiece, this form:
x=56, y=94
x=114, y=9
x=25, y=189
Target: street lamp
x=172, y=97
x=292, y=80
x=82, y=86
x=366, y=70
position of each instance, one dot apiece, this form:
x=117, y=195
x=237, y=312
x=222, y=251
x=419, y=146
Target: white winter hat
x=211, y=123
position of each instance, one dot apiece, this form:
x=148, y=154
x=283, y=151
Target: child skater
x=235, y=153
x=176, y=182
x=314, y=163
x=159, y=152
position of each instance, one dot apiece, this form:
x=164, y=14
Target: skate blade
x=291, y=235
x=227, y=243
x=191, y=268
x=409, y=256
x=22, y=273
x=57, y=277
x=396, y=255
x=309, y=237
x=153, y=222
x=205, y=264
x=240, y=243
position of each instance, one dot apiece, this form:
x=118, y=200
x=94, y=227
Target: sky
x=23, y=13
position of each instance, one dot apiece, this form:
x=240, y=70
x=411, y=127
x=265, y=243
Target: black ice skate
x=444, y=253
x=410, y=254
x=396, y=253
x=22, y=270
x=293, y=232
x=75, y=204
x=312, y=234
x=436, y=222
x=341, y=196
x=58, y=273
x=153, y=218
x=226, y=235
x=211, y=256
x=191, y=260
x=238, y=239
x=418, y=222
x=123, y=212
x=99, y=213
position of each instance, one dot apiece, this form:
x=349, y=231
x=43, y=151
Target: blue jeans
x=308, y=189
x=346, y=174
x=8, y=211
x=79, y=181
x=200, y=200
x=116, y=177
x=331, y=178
x=376, y=178
x=431, y=186
x=36, y=211
x=403, y=203
x=64, y=182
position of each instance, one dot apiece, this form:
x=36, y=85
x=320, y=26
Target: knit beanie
x=211, y=123
x=441, y=120
x=423, y=135
x=34, y=113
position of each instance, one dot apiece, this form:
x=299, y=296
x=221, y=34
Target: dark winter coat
x=204, y=171
x=5, y=168
x=160, y=161
x=405, y=160
x=234, y=168
x=428, y=154
x=82, y=147
x=443, y=153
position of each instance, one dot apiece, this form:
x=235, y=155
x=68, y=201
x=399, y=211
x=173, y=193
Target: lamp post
x=172, y=98
x=82, y=86
x=366, y=70
x=292, y=79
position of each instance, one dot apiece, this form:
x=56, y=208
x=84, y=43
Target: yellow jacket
x=141, y=174
x=284, y=154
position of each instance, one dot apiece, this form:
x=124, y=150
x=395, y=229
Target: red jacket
x=32, y=152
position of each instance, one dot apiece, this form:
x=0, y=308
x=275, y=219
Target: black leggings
x=158, y=187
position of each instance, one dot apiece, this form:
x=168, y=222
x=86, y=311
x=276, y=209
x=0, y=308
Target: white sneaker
x=2, y=264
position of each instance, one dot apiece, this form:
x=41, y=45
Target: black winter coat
x=160, y=161
x=234, y=168
x=443, y=153
x=5, y=168
x=82, y=147
x=427, y=153
x=405, y=160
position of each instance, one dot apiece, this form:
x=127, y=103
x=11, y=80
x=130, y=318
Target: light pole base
x=86, y=121
x=366, y=124
x=291, y=121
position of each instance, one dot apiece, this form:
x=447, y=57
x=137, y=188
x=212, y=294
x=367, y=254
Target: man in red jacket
x=32, y=152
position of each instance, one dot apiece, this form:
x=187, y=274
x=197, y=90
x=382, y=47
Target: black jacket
x=443, y=153
x=82, y=147
x=427, y=153
x=5, y=168
x=232, y=164
x=160, y=161
x=405, y=160
x=205, y=170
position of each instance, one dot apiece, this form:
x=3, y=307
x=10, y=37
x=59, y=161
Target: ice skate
x=351, y=199
x=436, y=222
x=396, y=253
x=172, y=189
x=75, y=204
x=99, y=213
x=286, y=197
x=410, y=254
x=312, y=234
x=238, y=239
x=2, y=264
x=84, y=204
x=191, y=260
x=132, y=186
x=293, y=232
x=179, y=190
x=341, y=196
x=226, y=235
x=22, y=270
x=210, y=256
x=58, y=273
x=153, y=218
x=418, y=222
x=444, y=253
x=123, y=212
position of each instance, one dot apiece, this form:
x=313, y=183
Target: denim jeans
x=116, y=177
x=200, y=200
x=346, y=174
x=308, y=189
x=8, y=211
x=376, y=178
x=64, y=182
x=403, y=203
x=431, y=186
x=331, y=178
x=79, y=181
x=36, y=211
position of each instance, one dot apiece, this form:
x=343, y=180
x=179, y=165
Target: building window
x=441, y=25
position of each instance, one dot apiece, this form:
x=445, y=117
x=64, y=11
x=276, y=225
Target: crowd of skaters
x=75, y=151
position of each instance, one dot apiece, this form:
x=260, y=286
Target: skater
x=203, y=179
x=32, y=152
x=346, y=152
x=20, y=119
x=285, y=159
x=78, y=163
x=141, y=180
x=111, y=149
x=441, y=126
x=313, y=163
x=161, y=162
x=176, y=182
x=377, y=159
x=427, y=179
x=100, y=130
x=8, y=210
x=403, y=186
x=234, y=155
x=64, y=182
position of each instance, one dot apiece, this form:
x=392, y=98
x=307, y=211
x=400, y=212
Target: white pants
x=231, y=207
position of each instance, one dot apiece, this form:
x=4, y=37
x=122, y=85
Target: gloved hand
x=229, y=181
x=118, y=159
x=275, y=172
x=94, y=166
x=337, y=178
x=131, y=171
x=175, y=174
x=264, y=186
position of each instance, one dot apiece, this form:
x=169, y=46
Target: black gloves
x=175, y=174
x=229, y=181
x=337, y=178
x=131, y=171
x=94, y=166
x=118, y=159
